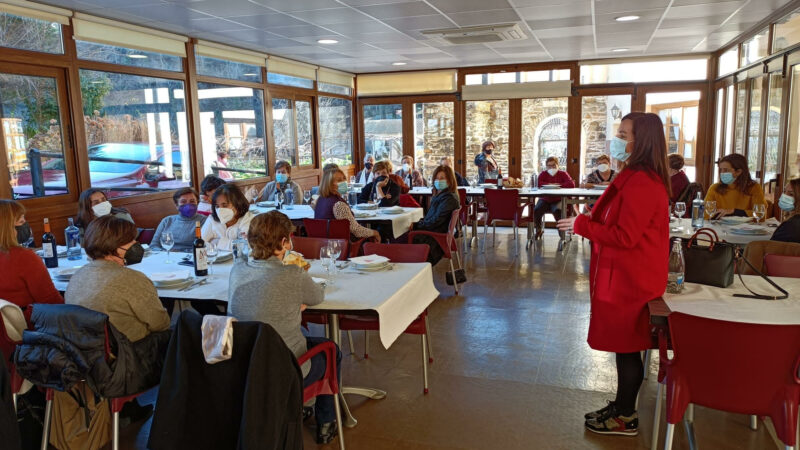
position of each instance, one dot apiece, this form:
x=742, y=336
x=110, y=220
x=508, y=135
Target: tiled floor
x=512, y=368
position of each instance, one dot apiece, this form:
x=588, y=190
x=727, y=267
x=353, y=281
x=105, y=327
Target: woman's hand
x=588, y=185
x=303, y=307
x=722, y=213
x=566, y=224
x=376, y=236
x=384, y=182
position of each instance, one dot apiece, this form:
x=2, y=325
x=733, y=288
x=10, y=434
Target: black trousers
x=630, y=374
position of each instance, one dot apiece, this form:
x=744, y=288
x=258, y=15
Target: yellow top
x=735, y=199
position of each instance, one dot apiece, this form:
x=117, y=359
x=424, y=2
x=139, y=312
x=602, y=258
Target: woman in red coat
x=629, y=230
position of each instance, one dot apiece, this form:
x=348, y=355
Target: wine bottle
x=200, y=259
x=49, y=249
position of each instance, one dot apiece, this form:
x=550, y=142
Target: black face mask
x=134, y=254
x=24, y=233
x=381, y=178
x=488, y=151
x=368, y=166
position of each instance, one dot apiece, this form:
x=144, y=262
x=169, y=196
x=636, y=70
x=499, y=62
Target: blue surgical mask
x=281, y=177
x=440, y=185
x=618, y=149
x=342, y=188
x=786, y=203
x=727, y=177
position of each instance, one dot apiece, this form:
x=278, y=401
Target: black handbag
x=461, y=277
x=711, y=264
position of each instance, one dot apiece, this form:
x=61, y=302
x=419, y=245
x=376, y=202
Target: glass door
x=434, y=133
x=487, y=120
x=600, y=119
x=679, y=111
x=544, y=134
x=383, y=132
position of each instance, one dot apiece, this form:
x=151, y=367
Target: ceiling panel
x=548, y=12
x=626, y=6
x=703, y=9
x=474, y=18
x=419, y=22
x=227, y=8
x=576, y=21
x=267, y=21
x=293, y=5
x=395, y=10
x=332, y=15
x=455, y=6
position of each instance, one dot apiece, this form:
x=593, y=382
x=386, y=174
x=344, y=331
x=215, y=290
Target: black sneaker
x=308, y=412
x=599, y=412
x=326, y=432
x=614, y=423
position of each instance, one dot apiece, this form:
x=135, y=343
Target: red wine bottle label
x=48, y=250
x=200, y=258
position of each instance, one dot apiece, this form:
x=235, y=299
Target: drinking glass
x=334, y=249
x=307, y=196
x=29, y=243
x=167, y=242
x=279, y=199
x=325, y=260
x=759, y=211
x=473, y=181
x=711, y=208
x=211, y=254
x=352, y=180
x=679, y=210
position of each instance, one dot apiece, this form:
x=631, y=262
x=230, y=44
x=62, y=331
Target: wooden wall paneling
x=574, y=129
x=193, y=117
x=514, y=138
x=459, y=158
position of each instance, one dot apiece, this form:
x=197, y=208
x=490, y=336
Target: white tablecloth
x=723, y=231
x=400, y=222
x=524, y=192
x=718, y=303
x=398, y=295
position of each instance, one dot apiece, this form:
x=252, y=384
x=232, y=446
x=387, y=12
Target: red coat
x=629, y=230
x=25, y=280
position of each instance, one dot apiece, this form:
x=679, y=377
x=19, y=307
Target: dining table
x=735, y=233
x=397, y=295
x=400, y=221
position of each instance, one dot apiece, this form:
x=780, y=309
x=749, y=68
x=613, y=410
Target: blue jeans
x=324, y=408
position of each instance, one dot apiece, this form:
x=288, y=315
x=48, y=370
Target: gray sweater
x=268, y=194
x=270, y=292
x=182, y=230
x=126, y=296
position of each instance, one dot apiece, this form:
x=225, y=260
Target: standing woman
x=737, y=192
x=487, y=165
x=629, y=230
x=93, y=204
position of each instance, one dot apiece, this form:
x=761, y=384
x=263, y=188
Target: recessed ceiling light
x=620, y=49
x=249, y=74
x=627, y=18
x=327, y=41
x=136, y=56
x=399, y=63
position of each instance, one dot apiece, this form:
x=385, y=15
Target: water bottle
x=698, y=211
x=535, y=181
x=676, y=268
x=289, y=198
x=73, y=239
x=240, y=248
x=279, y=200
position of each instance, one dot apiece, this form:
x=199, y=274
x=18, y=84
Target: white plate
x=67, y=272
x=735, y=220
x=367, y=206
x=266, y=204
x=392, y=210
x=373, y=268
x=363, y=214
x=749, y=232
x=223, y=257
x=170, y=277
x=551, y=186
x=369, y=260
x=600, y=187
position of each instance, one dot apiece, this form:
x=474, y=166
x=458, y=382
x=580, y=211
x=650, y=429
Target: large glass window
x=136, y=132
x=383, y=132
x=434, y=134
x=232, y=70
x=753, y=137
x=741, y=116
x=755, y=48
x=728, y=61
x=729, y=114
x=128, y=56
x=786, y=32
x=232, y=129
x=793, y=153
x=283, y=132
x=719, y=117
x=645, y=72
x=487, y=120
x=334, y=89
x=544, y=133
x=517, y=77
x=335, y=130
x=25, y=33
x=679, y=113
x=305, y=133
x=288, y=80
x=773, y=130
x=600, y=119
x=31, y=130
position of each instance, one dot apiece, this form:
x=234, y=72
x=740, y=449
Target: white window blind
x=220, y=51
x=284, y=66
x=331, y=76
x=536, y=89
x=427, y=82
x=104, y=31
x=36, y=11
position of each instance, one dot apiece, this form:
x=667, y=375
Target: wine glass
x=167, y=242
x=679, y=211
x=211, y=254
x=473, y=180
x=334, y=249
x=307, y=196
x=711, y=208
x=759, y=211
x=352, y=180
x=325, y=260
x=279, y=199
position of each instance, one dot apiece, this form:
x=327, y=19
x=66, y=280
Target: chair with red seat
x=782, y=265
x=328, y=385
x=7, y=346
x=503, y=205
x=146, y=235
x=713, y=366
x=447, y=242
x=309, y=247
x=407, y=201
x=335, y=229
x=400, y=253
x=467, y=213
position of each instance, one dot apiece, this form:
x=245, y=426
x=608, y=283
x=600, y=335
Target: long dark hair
x=744, y=181
x=235, y=199
x=649, y=147
x=85, y=214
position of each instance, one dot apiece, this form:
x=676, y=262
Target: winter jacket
x=251, y=401
x=68, y=344
x=439, y=213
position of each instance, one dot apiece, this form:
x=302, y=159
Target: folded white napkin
x=217, y=338
x=162, y=277
x=369, y=259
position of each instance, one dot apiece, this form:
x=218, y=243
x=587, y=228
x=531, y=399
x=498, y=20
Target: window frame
x=293, y=97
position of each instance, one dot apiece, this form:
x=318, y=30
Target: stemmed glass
x=279, y=199
x=334, y=250
x=759, y=212
x=326, y=261
x=678, y=211
x=711, y=208
x=211, y=254
x=352, y=180
x=167, y=242
x=473, y=181
x=307, y=196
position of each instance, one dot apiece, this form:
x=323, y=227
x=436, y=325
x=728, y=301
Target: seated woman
x=92, y=203
x=207, y=187
x=282, y=183
x=447, y=161
x=25, y=279
x=181, y=225
x=387, y=190
x=603, y=174
x=550, y=204
x=445, y=200
x=331, y=205
x=737, y=192
x=789, y=202
x=264, y=289
x=410, y=176
x=677, y=177
x=230, y=217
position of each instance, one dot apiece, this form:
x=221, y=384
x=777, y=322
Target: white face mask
x=552, y=172
x=102, y=209
x=225, y=214
x=406, y=167
x=602, y=167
